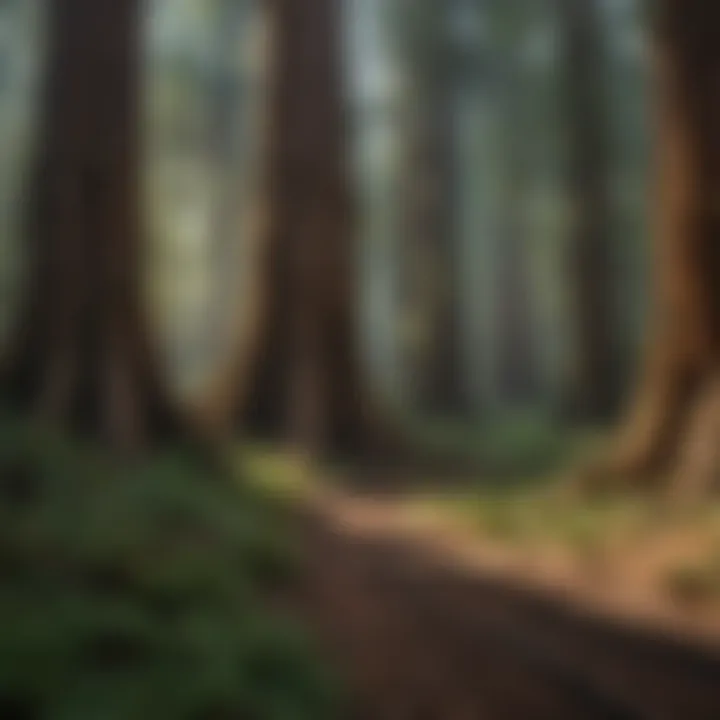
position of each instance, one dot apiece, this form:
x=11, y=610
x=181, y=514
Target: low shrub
x=139, y=592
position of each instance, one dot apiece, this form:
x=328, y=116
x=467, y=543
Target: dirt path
x=421, y=638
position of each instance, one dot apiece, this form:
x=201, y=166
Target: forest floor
x=430, y=614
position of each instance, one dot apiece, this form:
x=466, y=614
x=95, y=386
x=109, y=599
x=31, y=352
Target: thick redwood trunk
x=674, y=426
x=304, y=382
x=81, y=354
x=594, y=392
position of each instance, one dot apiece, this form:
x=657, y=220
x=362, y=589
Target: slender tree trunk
x=442, y=390
x=518, y=379
x=226, y=110
x=81, y=355
x=431, y=291
x=301, y=376
x=674, y=426
x=595, y=391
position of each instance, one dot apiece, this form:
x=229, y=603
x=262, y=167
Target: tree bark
x=81, y=355
x=672, y=430
x=594, y=393
x=300, y=378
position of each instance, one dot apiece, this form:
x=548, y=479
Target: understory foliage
x=143, y=592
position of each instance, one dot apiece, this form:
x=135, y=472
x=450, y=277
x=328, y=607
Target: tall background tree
x=231, y=118
x=594, y=375
x=517, y=374
x=430, y=285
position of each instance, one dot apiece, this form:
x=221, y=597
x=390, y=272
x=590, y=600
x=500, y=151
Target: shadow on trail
x=420, y=638
x=418, y=473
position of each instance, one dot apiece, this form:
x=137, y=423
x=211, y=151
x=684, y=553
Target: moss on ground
x=141, y=592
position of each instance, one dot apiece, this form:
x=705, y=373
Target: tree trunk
x=227, y=97
x=301, y=379
x=518, y=379
x=431, y=290
x=81, y=355
x=673, y=428
x=594, y=392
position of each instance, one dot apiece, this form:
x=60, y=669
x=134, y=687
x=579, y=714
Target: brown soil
x=420, y=636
